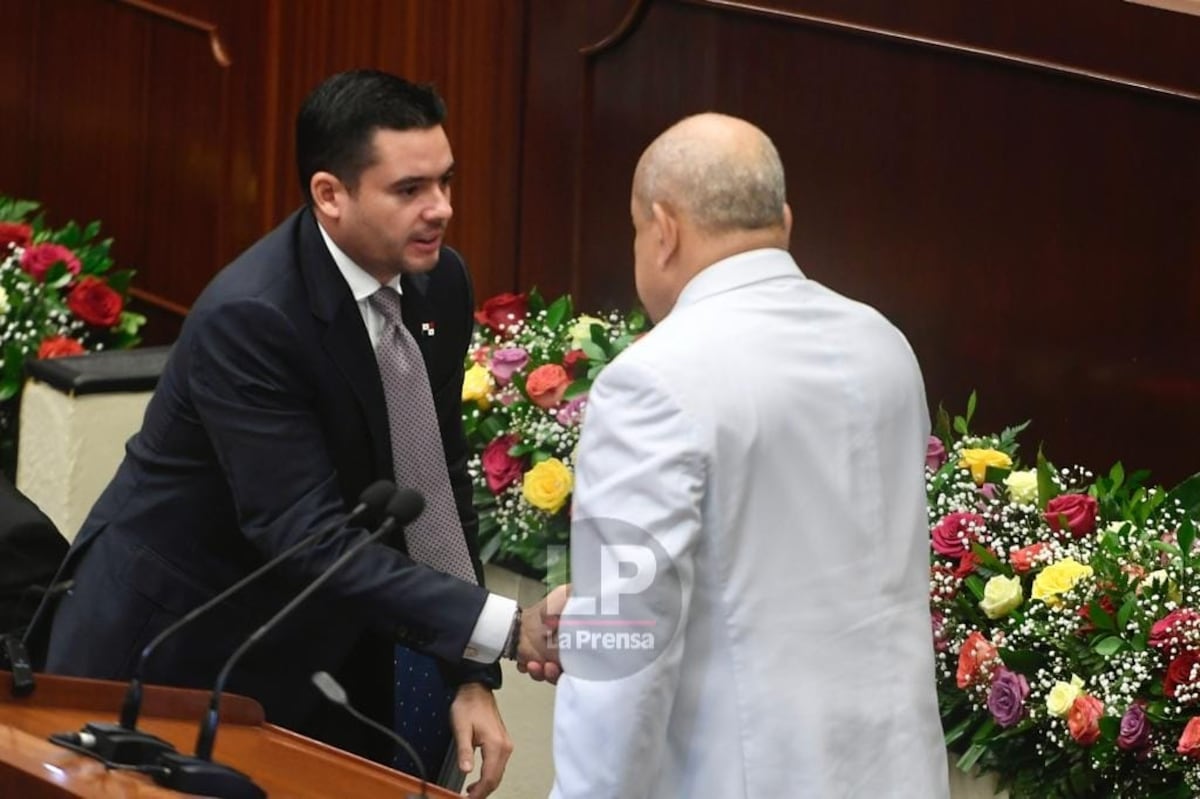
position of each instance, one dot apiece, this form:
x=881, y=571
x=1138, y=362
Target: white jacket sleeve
x=640, y=472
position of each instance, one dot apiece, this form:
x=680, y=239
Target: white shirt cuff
x=491, y=629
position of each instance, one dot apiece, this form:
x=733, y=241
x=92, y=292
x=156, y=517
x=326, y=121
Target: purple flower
x=1006, y=700
x=570, y=414
x=506, y=362
x=935, y=453
x=1135, y=729
x=988, y=490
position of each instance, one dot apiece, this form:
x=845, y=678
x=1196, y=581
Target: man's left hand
x=476, y=722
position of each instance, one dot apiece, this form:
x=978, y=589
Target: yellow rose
x=1058, y=578
x=581, y=331
x=978, y=460
x=1001, y=596
x=547, y=485
x=1022, y=487
x=477, y=386
x=1062, y=696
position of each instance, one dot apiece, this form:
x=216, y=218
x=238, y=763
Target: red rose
x=500, y=468
x=1189, y=742
x=502, y=311
x=1182, y=672
x=93, y=301
x=38, y=259
x=14, y=233
x=59, y=347
x=572, y=360
x=546, y=385
x=966, y=564
x=1074, y=512
x=1083, y=719
x=1170, y=627
x=952, y=536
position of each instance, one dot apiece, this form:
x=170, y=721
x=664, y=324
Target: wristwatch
x=514, y=637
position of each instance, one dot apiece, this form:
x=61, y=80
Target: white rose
x=3, y=301
x=1022, y=486
x=581, y=331
x=1001, y=596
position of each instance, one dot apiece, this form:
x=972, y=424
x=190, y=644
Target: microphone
x=335, y=693
x=198, y=774
x=123, y=743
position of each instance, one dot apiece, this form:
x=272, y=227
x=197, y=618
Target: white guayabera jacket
x=770, y=435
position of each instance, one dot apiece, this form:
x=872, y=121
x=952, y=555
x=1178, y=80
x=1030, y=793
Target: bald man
x=754, y=469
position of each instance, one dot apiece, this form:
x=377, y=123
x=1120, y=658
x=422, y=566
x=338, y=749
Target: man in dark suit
x=269, y=420
x=30, y=551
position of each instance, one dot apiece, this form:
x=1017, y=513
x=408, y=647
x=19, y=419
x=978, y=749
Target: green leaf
x=119, y=280
x=974, y=583
x=960, y=425
x=986, y=558
x=1187, y=494
x=1047, y=489
x=1108, y=646
x=941, y=426
x=594, y=351
x=958, y=730
x=971, y=757
x=559, y=310
x=577, y=388
x=489, y=548
x=1126, y=613
x=1022, y=660
x=971, y=407
x=995, y=475
x=534, y=301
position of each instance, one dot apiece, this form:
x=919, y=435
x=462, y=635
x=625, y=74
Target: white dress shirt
x=495, y=620
x=770, y=435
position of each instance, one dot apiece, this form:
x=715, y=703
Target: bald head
x=720, y=172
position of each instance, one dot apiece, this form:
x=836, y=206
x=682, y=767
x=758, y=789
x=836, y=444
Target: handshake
x=536, y=649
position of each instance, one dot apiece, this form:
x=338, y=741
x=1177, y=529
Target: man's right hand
x=537, y=652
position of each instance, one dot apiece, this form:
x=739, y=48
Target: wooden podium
x=284, y=764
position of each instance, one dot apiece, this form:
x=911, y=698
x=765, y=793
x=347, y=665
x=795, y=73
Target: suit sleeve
x=254, y=394
x=640, y=472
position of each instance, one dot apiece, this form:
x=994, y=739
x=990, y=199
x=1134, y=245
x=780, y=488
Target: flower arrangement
x=1066, y=620
x=528, y=374
x=58, y=296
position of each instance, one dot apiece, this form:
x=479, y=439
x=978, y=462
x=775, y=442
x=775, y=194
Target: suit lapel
x=345, y=338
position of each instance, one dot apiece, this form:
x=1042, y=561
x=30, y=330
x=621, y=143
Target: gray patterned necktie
x=435, y=538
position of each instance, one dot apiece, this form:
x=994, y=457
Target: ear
x=328, y=194
x=787, y=221
x=666, y=228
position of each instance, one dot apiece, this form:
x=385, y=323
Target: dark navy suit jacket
x=267, y=423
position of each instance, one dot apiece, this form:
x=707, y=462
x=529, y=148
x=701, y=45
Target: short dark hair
x=339, y=118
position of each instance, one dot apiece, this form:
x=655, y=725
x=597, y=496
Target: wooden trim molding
x=627, y=25
x=158, y=301
x=220, y=53
x=1183, y=6
x=813, y=20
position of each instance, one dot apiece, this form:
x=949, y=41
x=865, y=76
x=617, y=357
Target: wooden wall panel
x=137, y=116
x=998, y=182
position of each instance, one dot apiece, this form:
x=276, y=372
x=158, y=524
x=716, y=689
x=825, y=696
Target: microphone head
x=406, y=505
x=375, y=499
x=329, y=687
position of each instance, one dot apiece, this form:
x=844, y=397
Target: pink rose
x=935, y=454
x=952, y=536
x=1083, y=719
x=506, y=362
x=546, y=385
x=1166, y=630
x=571, y=414
x=1023, y=559
x=1189, y=742
x=38, y=259
x=1073, y=512
x=499, y=468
